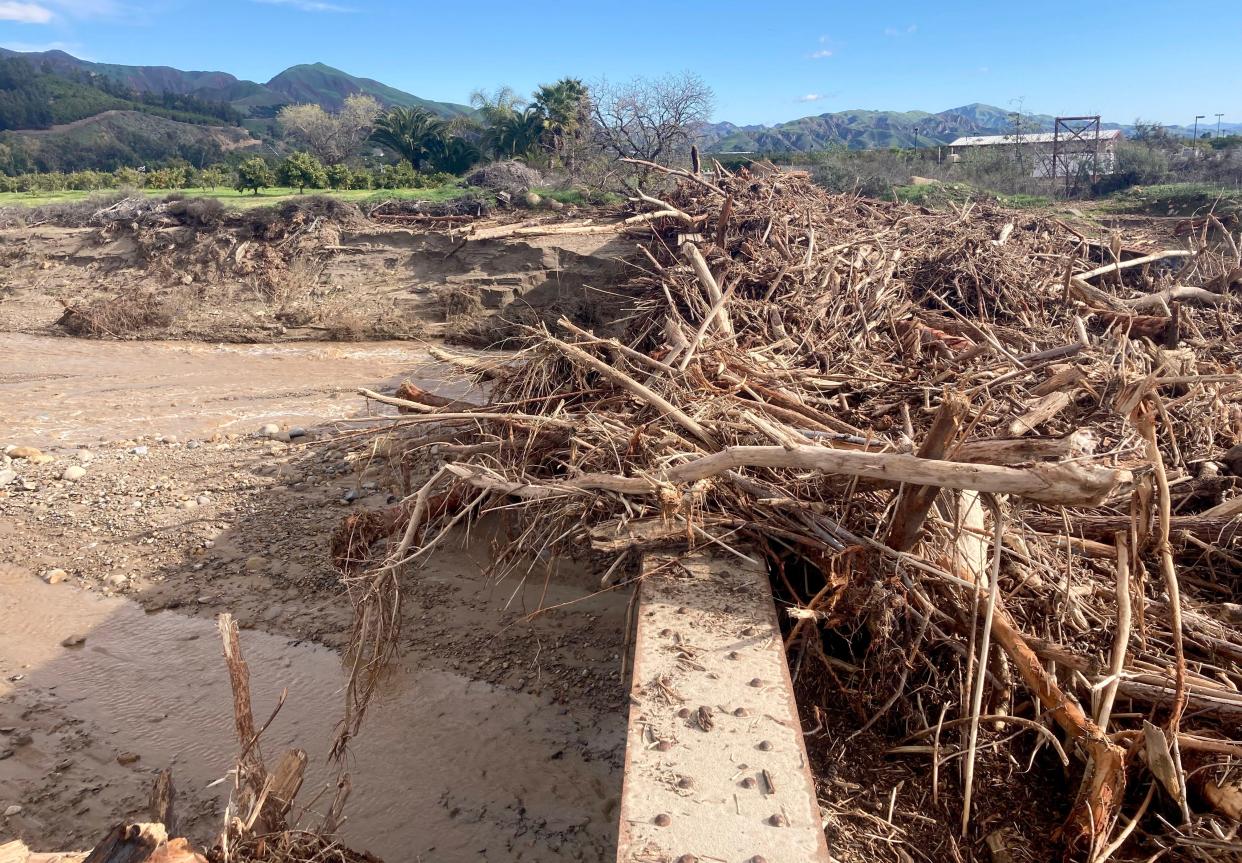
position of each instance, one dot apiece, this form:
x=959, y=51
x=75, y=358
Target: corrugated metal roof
x=1032, y=138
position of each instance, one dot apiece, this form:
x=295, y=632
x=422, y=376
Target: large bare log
x=1134, y=262
x=430, y=402
x=1102, y=527
x=1022, y=450
x=1048, y=483
x=1161, y=299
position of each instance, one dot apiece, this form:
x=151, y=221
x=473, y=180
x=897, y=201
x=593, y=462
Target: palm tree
x=519, y=133
x=511, y=128
x=414, y=133
x=456, y=156
x=564, y=107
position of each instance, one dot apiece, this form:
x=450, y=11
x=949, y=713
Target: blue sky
x=766, y=62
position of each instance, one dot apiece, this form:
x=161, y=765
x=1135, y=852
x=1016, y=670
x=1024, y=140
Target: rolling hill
x=314, y=82
x=117, y=138
x=861, y=129
x=326, y=86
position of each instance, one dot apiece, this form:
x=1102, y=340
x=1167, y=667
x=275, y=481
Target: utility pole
x=1218, y=116
x=1016, y=116
x=1198, y=117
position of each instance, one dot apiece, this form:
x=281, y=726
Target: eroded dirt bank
x=500, y=738
x=304, y=275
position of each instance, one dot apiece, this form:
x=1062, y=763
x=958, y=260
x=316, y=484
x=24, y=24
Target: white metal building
x=1038, y=147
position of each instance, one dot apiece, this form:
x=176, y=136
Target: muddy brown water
x=449, y=766
x=155, y=685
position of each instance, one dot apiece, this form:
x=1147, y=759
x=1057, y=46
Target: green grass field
x=1175, y=199
x=939, y=195
x=231, y=197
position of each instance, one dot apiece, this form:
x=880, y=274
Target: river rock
x=269, y=430
x=75, y=640
x=27, y=452
x=140, y=450
x=85, y=456
x=297, y=431
x=73, y=473
x=12, y=810
x=117, y=580
x=55, y=576
x=255, y=563
x=7, y=476
x=128, y=758
x=203, y=500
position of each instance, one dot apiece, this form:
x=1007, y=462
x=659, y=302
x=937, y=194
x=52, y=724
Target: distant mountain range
x=72, y=113
x=869, y=129
x=314, y=82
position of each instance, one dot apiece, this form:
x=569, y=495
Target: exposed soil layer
x=315, y=280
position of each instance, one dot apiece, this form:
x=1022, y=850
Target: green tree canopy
x=414, y=134
x=302, y=170
x=253, y=174
x=511, y=128
x=565, y=107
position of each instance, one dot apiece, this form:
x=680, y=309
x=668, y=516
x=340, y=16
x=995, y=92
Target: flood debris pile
x=167, y=265
x=993, y=464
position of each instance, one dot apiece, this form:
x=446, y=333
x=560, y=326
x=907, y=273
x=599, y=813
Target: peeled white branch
x=1065, y=484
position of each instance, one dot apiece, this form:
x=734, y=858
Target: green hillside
x=314, y=82
x=326, y=86
x=116, y=139
x=38, y=98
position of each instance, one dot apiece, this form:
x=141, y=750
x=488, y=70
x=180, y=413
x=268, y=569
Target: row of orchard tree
x=298, y=170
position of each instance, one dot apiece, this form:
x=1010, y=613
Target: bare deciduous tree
x=655, y=119
x=331, y=137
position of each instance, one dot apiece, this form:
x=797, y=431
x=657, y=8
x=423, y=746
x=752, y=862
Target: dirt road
x=500, y=738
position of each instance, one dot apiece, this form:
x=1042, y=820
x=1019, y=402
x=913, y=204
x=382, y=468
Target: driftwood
x=1049, y=483
x=844, y=385
x=1183, y=293
x=907, y=523
x=413, y=394
x=1134, y=262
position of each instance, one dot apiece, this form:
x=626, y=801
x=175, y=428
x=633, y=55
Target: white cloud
x=893, y=32
x=811, y=97
x=820, y=54
x=25, y=13
x=307, y=5
x=87, y=8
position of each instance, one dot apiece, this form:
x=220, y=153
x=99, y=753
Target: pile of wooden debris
x=994, y=465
